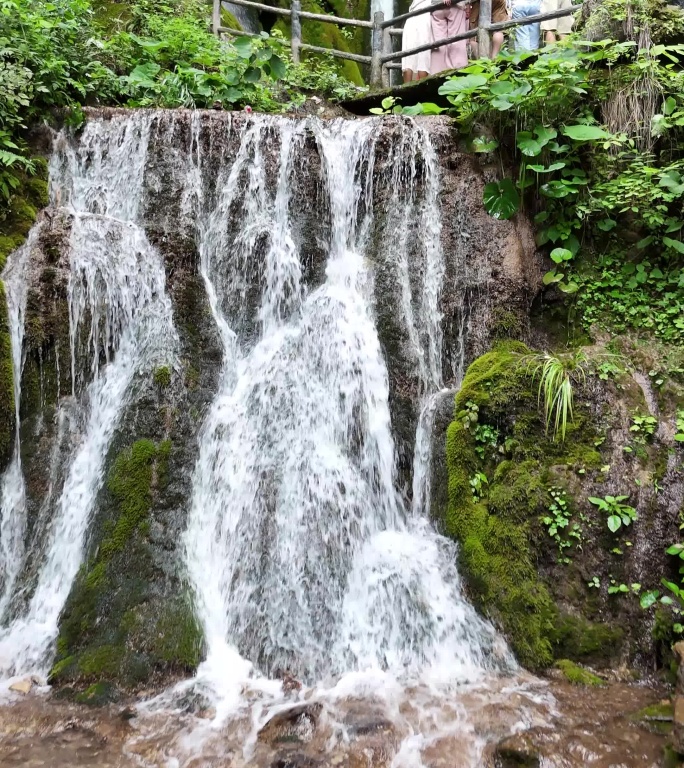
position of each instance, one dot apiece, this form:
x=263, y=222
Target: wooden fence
x=382, y=58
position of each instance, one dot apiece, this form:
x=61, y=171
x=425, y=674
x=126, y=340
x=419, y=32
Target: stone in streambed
x=22, y=686
x=516, y=752
x=294, y=725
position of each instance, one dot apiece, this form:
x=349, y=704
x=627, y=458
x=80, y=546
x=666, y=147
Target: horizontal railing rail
x=382, y=58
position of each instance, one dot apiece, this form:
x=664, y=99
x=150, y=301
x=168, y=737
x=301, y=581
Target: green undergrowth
x=114, y=629
x=501, y=465
x=350, y=39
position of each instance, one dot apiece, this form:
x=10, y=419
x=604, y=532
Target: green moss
x=505, y=552
x=102, y=661
x=130, y=482
x=97, y=695
x=495, y=552
x=578, y=675
x=229, y=20
x=577, y=638
x=179, y=637
x=18, y=217
x=162, y=376
x=660, y=711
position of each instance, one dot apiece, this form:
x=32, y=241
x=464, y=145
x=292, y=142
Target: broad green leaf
x=143, y=75
x=252, y=75
x=424, y=108
x=482, y=144
x=648, y=599
x=462, y=83
x=676, y=245
x=502, y=104
x=545, y=134
x=501, y=199
x=243, y=47
x=568, y=287
x=675, y=549
x=614, y=523
x=552, y=277
x=559, y=255
x=277, y=67
x=541, y=169
x=669, y=106
x=501, y=87
x=583, y=132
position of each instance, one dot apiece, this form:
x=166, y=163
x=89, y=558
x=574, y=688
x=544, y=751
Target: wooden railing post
x=484, y=37
x=295, y=30
x=386, y=48
x=376, y=49
x=216, y=17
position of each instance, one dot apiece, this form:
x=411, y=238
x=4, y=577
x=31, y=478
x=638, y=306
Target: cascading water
x=302, y=554
x=12, y=487
x=120, y=319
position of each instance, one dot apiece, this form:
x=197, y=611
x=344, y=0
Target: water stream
x=119, y=323
x=307, y=558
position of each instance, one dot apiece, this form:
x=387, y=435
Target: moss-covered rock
x=112, y=630
x=577, y=675
x=518, y=574
x=18, y=216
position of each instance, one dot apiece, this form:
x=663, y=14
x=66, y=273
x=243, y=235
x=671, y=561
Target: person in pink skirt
x=448, y=22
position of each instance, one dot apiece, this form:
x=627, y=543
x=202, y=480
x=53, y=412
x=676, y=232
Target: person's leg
x=408, y=75
x=497, y=42
x=526, y=37
x=422, y=74
x=550, y=37
x=457, y=53
x=440, y=27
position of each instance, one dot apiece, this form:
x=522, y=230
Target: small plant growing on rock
x=162, y=376
x=477, y=485
x=486, y=437
x=644, y=426
x=679, y=423
x=558, y=374
x=619, y=514
x=558, y=520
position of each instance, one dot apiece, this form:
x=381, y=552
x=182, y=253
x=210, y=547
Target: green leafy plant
x=477, y=485
x=623, y=589
x=594, y=582
x=558, y=375
x=485, y=437
x=619, y=514
x=557, y=523
x=679, y=426
x=643, y=426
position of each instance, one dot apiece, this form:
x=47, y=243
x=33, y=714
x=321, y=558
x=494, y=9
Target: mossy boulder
x=577, y=675
x=112, y=631
x=502, y=467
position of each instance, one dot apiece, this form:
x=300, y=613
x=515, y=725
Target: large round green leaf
x=585, y=132
x=501, y=199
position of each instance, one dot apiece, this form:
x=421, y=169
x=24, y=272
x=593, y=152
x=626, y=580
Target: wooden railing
x=382, y=58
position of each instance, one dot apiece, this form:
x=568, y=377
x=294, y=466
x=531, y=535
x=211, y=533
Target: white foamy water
x=303, y=556
x=119, y=321
x=12, y=486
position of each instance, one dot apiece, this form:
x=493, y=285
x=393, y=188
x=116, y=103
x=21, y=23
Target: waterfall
x=303, y=556
x=304, y=551
x=12, y=486
x=120, y=324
